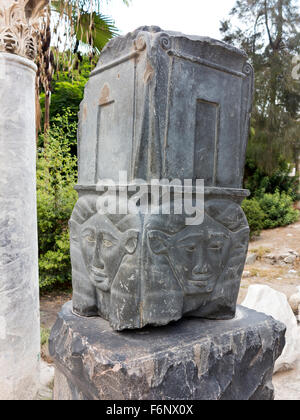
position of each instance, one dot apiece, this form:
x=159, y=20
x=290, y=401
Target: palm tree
x=84, y=24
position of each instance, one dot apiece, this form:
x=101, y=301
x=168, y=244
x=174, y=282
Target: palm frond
x=95, y=30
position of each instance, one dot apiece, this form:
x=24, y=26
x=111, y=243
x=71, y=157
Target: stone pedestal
x=191, y=359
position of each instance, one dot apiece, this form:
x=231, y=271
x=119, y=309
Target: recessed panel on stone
x=107, y=123
x=206, y=141
x=115, y=120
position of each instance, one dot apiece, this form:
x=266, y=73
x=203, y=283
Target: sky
x=194, y=17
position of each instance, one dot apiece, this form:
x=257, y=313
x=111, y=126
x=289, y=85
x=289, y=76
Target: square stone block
x=193, y=359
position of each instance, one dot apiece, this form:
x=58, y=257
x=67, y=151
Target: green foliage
x=269, y=211
x=278, y=210
x=85, y=22
x=56, y=177
x=67, y=89
x=45, y=334
x=259, y=183
x=103, y=29
x=268, y=31
x=254, y=215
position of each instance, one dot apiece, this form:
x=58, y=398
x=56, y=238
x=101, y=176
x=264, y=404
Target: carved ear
x=131, y=241
x=74, y=230
x=240, y=239
x=158, y=241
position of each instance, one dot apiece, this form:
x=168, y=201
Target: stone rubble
x=46, y=381
x=251, y=259
x=286, y=258
x=294, y=301
x=267, y=300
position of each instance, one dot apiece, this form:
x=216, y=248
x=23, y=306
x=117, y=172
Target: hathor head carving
x=199, y=254
x=103, y=244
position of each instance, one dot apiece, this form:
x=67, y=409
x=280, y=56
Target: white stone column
x=19, y=287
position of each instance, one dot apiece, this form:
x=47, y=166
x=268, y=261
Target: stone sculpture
x=162, y=105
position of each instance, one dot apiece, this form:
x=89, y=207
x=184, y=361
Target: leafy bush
x=67, y=90
x=278, y=210
x=269, y=211
x=254, y=215
x=56, y=197
x=260, y=183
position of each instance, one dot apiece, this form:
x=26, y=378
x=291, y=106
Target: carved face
x=197, y=254
x=103, y=248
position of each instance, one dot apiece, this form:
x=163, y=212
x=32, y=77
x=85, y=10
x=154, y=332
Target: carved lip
x=200, y=278
x=198, y=283
x=99, y=275
x=202, y=281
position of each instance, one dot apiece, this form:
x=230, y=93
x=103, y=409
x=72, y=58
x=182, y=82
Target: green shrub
x=67, y=89
x=45, y=334
x=254, y=215
x=56, y=197
x=278, y=210
x=260, y=183
x=269, y=211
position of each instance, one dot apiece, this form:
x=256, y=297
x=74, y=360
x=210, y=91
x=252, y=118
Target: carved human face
x=103, y=248
x=197, y=254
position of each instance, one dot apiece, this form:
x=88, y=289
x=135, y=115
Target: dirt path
x=50, y=305
x=280, y=276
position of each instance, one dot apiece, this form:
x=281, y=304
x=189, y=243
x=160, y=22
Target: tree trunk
x=37, y=108
x=47, y=111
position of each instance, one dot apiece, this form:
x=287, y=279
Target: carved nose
x=201, y=266
x=200, y=269
x=98, y=264
x=97, y=260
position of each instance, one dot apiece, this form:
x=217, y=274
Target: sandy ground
x=284, y=278
x=287, y=384
x=50, y=305
x=278, y=241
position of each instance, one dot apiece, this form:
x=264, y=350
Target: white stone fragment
x=265, y=299
x=251, y=259
x=294, y=301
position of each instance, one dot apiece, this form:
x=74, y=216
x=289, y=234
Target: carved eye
x=191, y=248
x=216, y=246
x=107, y=243
x=90, y=238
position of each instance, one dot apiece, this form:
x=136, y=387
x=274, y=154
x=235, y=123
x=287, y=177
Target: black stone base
x=193, y=359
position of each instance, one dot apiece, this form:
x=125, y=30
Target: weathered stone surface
x=197, y=268
x=161, y=105
x=19, y=285
x=192, y=359
x=265, y=299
